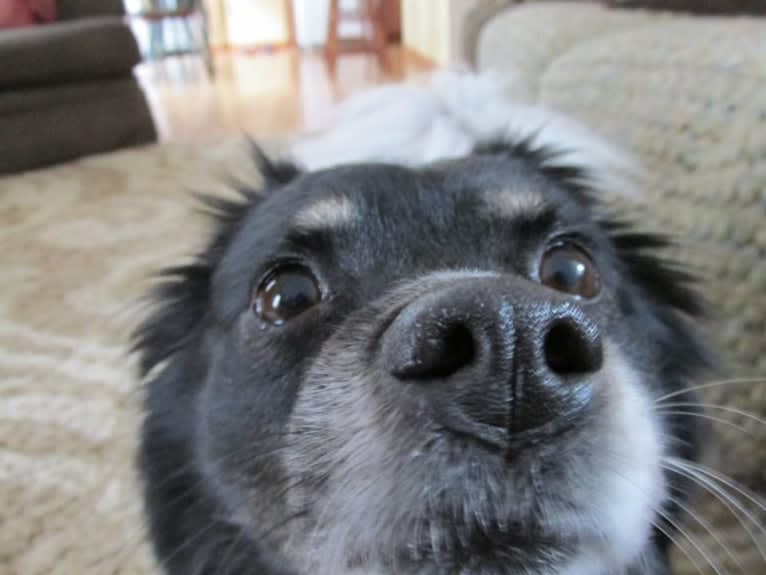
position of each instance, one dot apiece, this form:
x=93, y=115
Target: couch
x=67, y=88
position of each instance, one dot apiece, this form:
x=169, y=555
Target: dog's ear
x=549, y=159
x=180, y=297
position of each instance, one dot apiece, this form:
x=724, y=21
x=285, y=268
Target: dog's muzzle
x=495, y=357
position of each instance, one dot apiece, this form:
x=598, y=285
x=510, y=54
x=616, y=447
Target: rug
x=78, y=244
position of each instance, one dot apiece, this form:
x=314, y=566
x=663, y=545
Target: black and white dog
x=441, y=369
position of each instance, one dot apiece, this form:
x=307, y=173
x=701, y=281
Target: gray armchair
x=67, y=88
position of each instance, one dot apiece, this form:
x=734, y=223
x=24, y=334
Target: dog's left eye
x=286, y=292
x=568, y=268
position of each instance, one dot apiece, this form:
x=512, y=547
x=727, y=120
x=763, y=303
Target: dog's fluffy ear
x=448, y=118
x=275, y=172
x=180, y=297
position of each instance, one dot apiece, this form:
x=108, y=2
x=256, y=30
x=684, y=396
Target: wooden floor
x=262, y=94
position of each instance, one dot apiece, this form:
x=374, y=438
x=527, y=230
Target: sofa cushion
x=702, y=6
x=43, y=126
x=21, y=13
x=66, y=51
x=69, y=9
x=541, y=33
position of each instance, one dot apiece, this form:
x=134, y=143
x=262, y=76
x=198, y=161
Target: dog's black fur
x=223, y=385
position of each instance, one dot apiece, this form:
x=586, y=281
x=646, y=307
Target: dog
x=442, y=368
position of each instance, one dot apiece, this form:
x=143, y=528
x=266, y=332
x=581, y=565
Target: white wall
x=434, y=28
x=256, y=22
x=425, y=28
x=311, y=18
x=310, y=22
x=247, y=22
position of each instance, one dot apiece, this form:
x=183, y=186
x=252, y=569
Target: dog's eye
x=285, y=292
x=569, y=269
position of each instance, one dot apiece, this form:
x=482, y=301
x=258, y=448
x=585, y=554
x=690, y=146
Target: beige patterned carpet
x=76, y=245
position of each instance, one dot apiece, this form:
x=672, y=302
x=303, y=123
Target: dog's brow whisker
x=731, y=503
x=733, y=381
x=726, y=408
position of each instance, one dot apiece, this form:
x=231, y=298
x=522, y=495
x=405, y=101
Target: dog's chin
x=382, y=489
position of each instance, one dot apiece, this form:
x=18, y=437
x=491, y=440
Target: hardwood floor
x=262, y=94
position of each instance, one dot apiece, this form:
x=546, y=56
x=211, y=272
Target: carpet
x=78, y=244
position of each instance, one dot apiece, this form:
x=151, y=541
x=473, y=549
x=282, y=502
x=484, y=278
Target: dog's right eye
x=287, y=291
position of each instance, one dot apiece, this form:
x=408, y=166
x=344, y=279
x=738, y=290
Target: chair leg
x=374, y=16
x=207, y=54
x=331, y=43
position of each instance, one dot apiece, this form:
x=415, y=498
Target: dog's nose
x=494, y=356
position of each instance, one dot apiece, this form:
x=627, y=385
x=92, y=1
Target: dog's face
x=443, y=370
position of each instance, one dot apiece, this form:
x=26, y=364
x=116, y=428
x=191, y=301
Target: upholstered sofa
x=67, y=88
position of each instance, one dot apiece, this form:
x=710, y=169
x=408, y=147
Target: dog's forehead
x=342, y=198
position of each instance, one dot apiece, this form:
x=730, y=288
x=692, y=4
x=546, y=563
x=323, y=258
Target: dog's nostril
x=571, y=349
x=437, y=351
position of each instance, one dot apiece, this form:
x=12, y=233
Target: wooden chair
x=370, y=15
x=162, y=11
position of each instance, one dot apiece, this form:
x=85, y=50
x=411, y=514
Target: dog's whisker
x=165, y=560
x=281, y=524
x=690, y=389
x=674, y=540
x=691, y=513
x=735, y=508
x=229, y=553
x=725, y=479
x=698, y=546
x=726, y=408
x=707, y=416
x=731, y=503
x=708, y=528
x=194, y=480
x=670, y=439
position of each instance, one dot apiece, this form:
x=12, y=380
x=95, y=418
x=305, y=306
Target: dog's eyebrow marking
x=331, y=212
x=515, y=203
